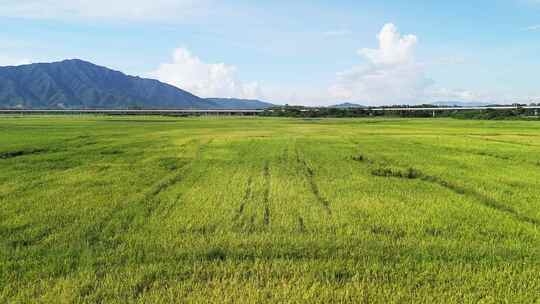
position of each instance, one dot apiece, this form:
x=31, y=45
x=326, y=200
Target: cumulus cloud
x=190, y=73
x=391, y=75
x=105, y=9
x=394, y=49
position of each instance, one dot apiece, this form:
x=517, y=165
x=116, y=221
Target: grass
x=161, y=210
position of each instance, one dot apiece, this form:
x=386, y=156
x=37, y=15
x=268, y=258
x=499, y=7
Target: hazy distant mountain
x=234, y=103
x=347, y=105
x=76, y=84
x=460, y=104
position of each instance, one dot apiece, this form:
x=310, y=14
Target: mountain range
x=235, y=103
x=461, y=104
x=77, y=84
x=347, y=105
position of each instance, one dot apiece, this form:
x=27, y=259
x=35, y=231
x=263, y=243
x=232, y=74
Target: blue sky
x=298, y=52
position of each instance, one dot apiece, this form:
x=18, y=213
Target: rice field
x=253, y=210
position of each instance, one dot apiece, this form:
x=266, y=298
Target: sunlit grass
x=159, y=210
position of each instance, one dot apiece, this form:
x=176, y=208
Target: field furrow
x=161, y=210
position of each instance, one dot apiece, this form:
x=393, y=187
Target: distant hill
x=347, y=105
x=461, y=104
x=77, y=84
x=234, y=103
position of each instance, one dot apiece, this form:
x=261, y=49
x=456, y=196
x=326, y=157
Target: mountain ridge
x=79, y=84
x=347, y=105
x=245, y=104
x=461, y=104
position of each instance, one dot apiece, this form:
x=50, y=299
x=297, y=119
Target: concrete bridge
x=436, y=110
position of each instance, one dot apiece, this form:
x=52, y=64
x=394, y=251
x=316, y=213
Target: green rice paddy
x=181, y=210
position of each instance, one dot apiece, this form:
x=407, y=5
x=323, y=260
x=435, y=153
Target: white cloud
x=190, y=73
x=296, y=95
x=532, y=28
x=102, y=9
x=392, y=74
x=393, y=48
x=501, y=97
x=444, y=94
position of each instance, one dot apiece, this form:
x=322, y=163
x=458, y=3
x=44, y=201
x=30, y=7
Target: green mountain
x=77, y=84
x=347, y=105
x=460, y=104
x=234, y=103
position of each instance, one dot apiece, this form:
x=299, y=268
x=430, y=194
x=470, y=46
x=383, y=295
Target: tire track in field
x=245, y=221
x=309, y=175
x=171, y=179
x=51, y=148
x=484, y=153
x=14, y=239
x=266, y=194
x=43, y=234
x=484, y=199
x=468, y=151
x=248, y=195
x=284, y=157
x=508, y=142
x=386, y=170
x=148, y=202
x=284, y=161
x=301, y=225
x=19, y=153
